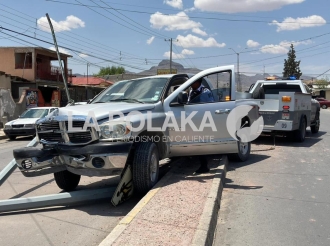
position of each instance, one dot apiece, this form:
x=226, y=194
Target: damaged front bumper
x=98, y=159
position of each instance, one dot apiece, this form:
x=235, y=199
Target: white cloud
x=150, y=40
x=71, y=22
x=83, y=55
x=274, y=49
x=282, y=47
x=191, y=41
x=174, y=3
x=180, y=21
x=251, y=44
x=225, y=6
x=61, y=50
x=190, y=9
x=289, y=24
x=199, y=31
x=187, y=52
x=181, y=55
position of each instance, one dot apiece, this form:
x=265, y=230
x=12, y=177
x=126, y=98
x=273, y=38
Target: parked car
x=25, y=124
x=323, y=102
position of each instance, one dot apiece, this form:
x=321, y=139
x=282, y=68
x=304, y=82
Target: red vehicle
x=324, y=103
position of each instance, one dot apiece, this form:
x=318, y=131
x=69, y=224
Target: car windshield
x=34, y=113
x=145, y=90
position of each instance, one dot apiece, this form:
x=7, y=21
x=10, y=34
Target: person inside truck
x=200, y=94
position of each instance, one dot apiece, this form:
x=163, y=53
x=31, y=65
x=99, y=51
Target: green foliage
x=110, y=70
x=322, y=83
x=291, y=66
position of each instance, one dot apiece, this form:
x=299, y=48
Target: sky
x=205, y=33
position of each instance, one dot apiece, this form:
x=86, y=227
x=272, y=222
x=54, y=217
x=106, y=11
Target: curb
x=124, y=223
x=3, y=136
x=204, y=234
x=207, y=224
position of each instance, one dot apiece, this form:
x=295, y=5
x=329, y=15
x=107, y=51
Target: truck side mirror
x=183, y=97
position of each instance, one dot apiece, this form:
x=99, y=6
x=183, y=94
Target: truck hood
x=102, y=110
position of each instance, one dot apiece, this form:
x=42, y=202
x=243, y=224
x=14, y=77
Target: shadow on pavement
x=239, y=187
x=283, y=141
x=254, y=158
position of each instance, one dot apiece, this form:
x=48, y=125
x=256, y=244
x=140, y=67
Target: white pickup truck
x=164, y=125
x=287, y=106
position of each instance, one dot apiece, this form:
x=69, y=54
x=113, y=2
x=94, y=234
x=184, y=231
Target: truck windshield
x=145, y=90
x=280, y=87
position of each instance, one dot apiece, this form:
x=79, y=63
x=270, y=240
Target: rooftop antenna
x=60, y=62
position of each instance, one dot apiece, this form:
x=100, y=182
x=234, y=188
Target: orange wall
x=7, y=62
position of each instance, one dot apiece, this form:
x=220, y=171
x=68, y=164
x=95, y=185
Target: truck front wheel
x=315, y=128
x=66, y=180
x=145, y=167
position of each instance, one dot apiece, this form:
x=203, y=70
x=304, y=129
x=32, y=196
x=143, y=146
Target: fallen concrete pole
x=62, y=199
x=10, y=168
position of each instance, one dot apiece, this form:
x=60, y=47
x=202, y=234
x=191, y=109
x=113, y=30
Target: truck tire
x=300, y=134
x=66, y=180
x=315, y=128
x=145, y=167
x=243, y=154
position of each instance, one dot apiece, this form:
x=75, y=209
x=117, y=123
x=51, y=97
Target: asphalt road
x=281, y=196
x=79, y=225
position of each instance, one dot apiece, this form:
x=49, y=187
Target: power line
x=64, y=34
x=191, y=17
x=144, y=33
x=73, y=50
x=150, y=30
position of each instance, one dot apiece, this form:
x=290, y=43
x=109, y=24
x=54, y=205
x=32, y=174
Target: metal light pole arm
x=59, y=60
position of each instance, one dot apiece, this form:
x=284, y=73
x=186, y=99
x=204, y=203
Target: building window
x=23, y=60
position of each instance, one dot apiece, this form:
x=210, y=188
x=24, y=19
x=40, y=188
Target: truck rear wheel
x=315, y=128
x=66, y=180
x=300, y=134
x=145, y=167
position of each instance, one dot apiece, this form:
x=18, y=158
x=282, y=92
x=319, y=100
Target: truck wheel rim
x=153, y=168
x=243, y=148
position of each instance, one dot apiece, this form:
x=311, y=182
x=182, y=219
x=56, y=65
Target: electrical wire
x=191, y=17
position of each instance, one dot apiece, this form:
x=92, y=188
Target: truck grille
x=77, y=124
x=74, y=137
x=51, y=137
x=80, y=137
x=48, y=126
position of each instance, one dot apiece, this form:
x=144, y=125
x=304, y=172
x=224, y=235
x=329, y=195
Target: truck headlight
x=8, y=127
x=114, y=130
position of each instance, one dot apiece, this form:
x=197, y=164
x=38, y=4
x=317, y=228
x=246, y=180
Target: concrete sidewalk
x=2, y=134
x=180, y=210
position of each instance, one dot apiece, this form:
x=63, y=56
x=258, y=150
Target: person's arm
x=207, y=96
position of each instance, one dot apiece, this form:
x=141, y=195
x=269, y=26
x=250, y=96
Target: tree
x=322, y=83
x=291, y=66
x=110, y=70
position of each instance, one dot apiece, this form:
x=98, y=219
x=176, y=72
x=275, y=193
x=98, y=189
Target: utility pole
x=264, y=71
x=171, y=40
x=87, y=72
x=239, y=86
x=60, y=61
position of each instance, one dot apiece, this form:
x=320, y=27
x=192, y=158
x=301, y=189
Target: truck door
x=202, y=120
